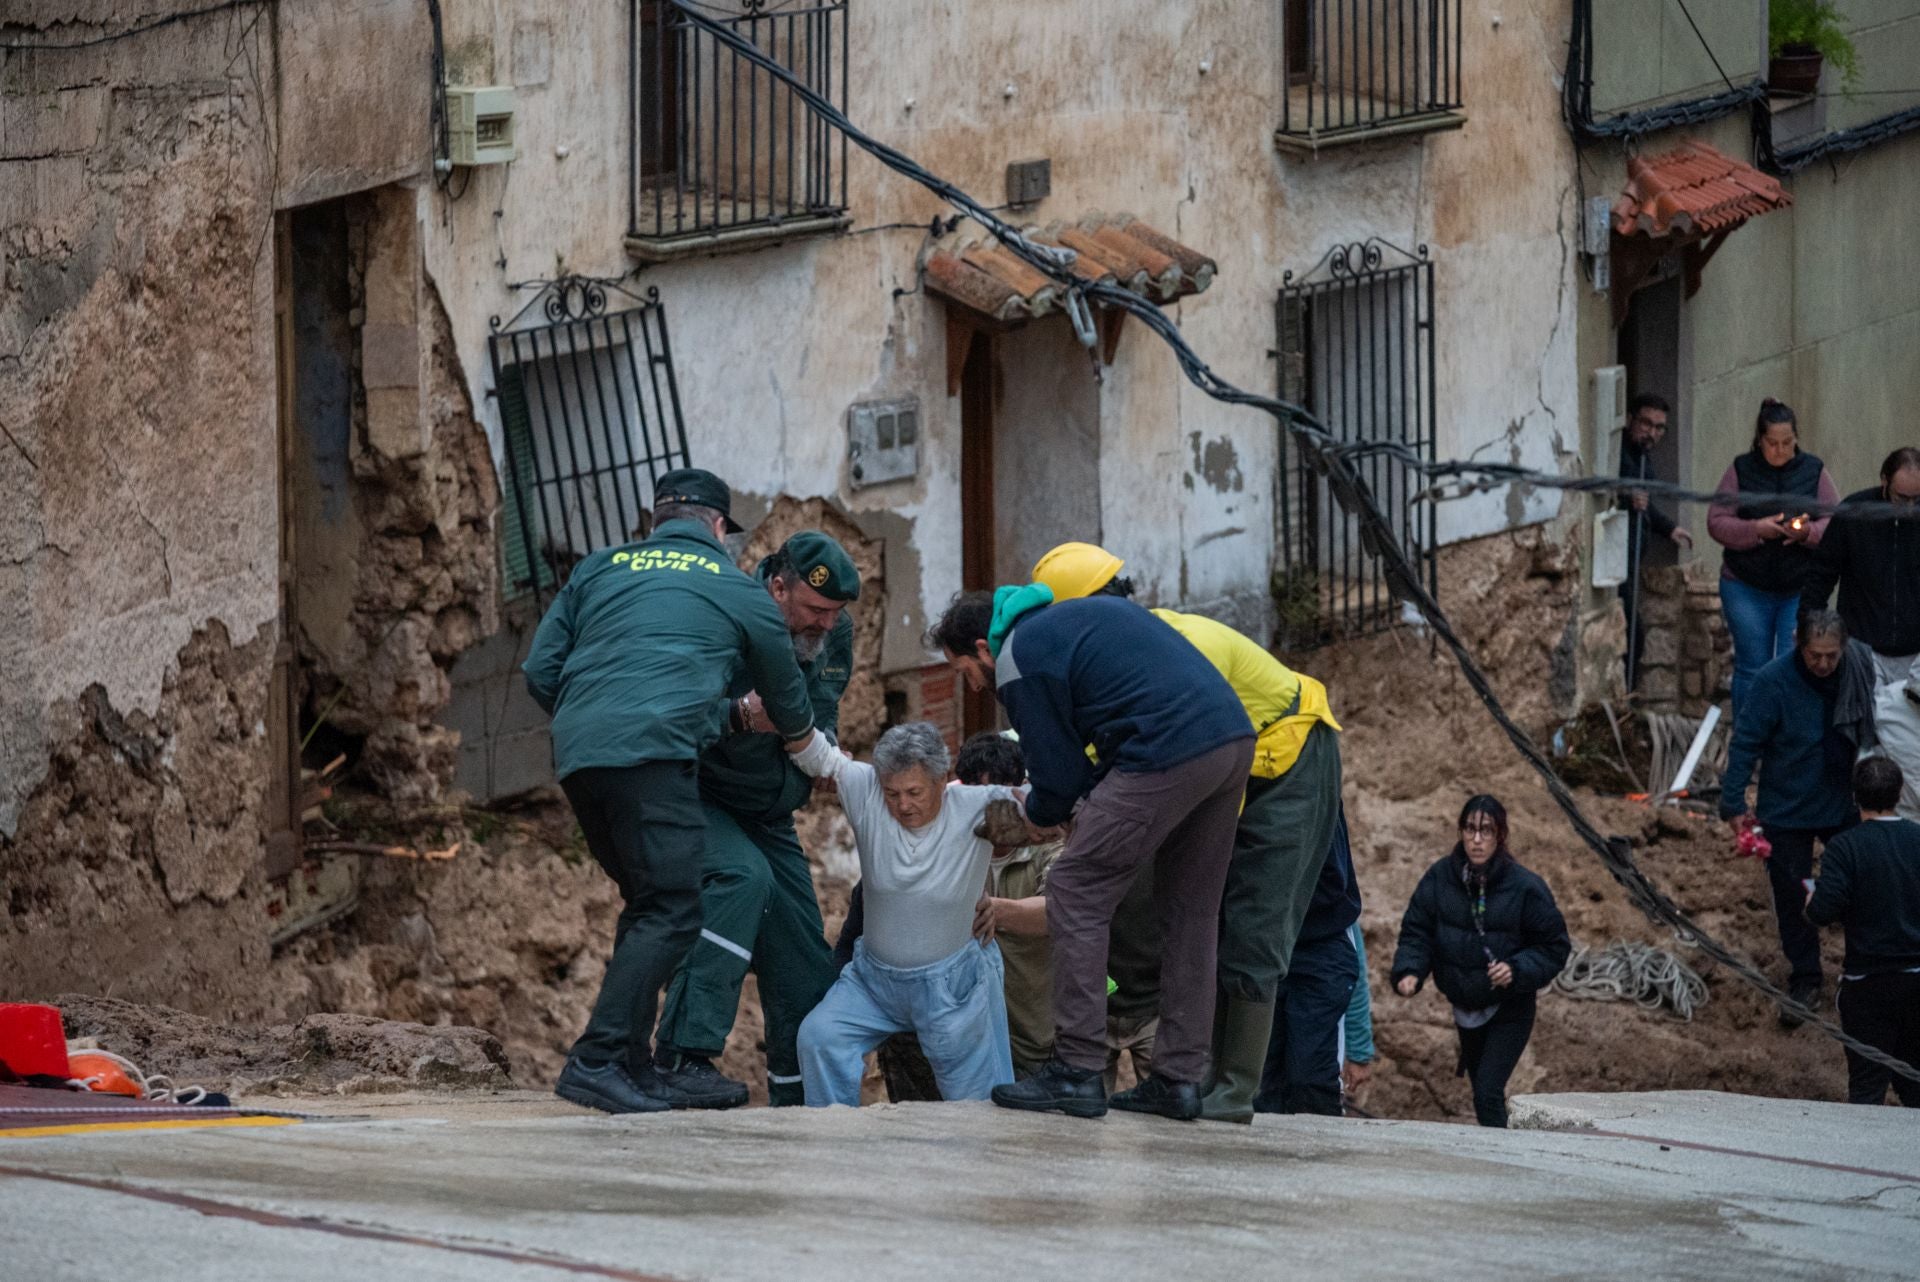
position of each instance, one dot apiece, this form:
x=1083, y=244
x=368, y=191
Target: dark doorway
x=979, y=710
x=1649, y=348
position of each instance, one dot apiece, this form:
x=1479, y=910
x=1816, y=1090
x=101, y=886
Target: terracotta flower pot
x=1795, y=70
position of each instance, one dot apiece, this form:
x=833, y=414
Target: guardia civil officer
x=757, y=906
x=632, y=660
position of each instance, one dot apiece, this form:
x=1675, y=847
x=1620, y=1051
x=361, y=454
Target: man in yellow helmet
x=1281, y=852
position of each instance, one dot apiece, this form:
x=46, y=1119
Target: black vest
x=1775, y=565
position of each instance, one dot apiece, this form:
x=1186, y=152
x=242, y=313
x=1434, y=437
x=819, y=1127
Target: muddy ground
x=511, y=936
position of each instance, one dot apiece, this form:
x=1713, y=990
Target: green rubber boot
x=1239, y=1057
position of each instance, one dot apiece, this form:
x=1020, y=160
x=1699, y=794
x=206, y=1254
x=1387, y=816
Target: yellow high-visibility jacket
x=1267, y=688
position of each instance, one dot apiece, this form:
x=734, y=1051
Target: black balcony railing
x=1366, y=64
x=720, y=146
x=1357, y=348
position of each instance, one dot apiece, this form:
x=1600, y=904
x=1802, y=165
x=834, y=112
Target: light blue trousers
x=957, y=1006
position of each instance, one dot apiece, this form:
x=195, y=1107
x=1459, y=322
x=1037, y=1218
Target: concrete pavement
x=1679, y=1185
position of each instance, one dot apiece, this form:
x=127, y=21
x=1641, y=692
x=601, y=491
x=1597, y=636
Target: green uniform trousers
x=1282, y=841
x=757, y=910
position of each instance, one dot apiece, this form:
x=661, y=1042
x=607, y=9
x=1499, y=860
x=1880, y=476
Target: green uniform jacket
x=635, y=653
x=752, y=774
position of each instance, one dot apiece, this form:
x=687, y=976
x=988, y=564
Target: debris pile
x=320, y=1055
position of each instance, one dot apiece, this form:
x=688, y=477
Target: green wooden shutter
x=522, y=531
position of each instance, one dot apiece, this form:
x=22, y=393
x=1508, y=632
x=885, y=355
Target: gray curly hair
x=913, y=743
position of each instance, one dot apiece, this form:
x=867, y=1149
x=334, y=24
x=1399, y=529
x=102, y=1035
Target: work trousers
x=1130, y=1037
x=956, y=1006
x=1489, y=1054
x=1182, y=819
x=1761, y=625
x=1884, y=1012
x=758, y=911
x=643, y=827
x=1788, y=867
x=1302, y=1073
x=1278, y=849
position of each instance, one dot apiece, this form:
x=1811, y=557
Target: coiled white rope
x=1647, y=976
x=159, y=1088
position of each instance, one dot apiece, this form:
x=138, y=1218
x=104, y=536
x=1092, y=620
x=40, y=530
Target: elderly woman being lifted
x=917, y=968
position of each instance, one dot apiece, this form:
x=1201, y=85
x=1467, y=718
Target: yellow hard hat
x=1076, y=569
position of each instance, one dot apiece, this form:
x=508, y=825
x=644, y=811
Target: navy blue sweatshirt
x=1806, y=765
x=1104, y=672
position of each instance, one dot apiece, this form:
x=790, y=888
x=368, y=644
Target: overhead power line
x=1323, y=454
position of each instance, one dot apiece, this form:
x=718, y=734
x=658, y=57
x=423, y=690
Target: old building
x=1779, y=264
x=330, y=335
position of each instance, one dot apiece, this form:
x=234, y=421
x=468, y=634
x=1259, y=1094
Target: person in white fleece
x=918, y=967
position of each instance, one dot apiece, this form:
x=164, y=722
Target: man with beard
x=757, y=904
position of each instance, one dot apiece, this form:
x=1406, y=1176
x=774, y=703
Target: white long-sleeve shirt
x=920, y=885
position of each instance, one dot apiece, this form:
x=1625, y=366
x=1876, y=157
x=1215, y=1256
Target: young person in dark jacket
x=1791, y=725
x=1489, y=933
x=1870, y=885
x=1769, y=544
x=1173, y=747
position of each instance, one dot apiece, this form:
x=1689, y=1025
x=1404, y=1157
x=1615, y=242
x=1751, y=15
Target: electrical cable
x=1319, y=451
x=1711, y=56
x=140, y=28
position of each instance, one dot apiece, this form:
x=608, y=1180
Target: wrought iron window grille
x=1357, y=348
x=590, y=419
x=720, y=150
x=1368, y=66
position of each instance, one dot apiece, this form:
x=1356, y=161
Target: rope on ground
x=1640, y=973
x=1322, y=453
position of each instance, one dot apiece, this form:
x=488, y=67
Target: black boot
x=1807, y=993
x=1057, y=1087
x=1161, y=1095
x=690, y=1082
x=608, y=1088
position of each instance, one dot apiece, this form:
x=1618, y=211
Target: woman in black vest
x=1489, y=933
x=1768, y=543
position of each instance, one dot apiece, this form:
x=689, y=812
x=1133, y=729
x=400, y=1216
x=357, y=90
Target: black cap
x=698, y=486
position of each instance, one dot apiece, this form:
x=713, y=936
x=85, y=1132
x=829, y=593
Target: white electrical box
x=883, y=442
x=1609, y=562
x=1610, y=398
x=480, y=124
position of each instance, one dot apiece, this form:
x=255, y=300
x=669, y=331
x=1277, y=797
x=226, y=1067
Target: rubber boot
x=1239, y=1057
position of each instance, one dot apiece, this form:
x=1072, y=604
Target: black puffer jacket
x=1523, y=929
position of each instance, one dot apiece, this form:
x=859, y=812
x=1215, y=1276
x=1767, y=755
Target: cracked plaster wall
x=773, y=346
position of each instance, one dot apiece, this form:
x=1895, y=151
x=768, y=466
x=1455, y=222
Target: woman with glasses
x=1489, y=933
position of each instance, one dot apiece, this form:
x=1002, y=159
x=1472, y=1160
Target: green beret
x=823, y=565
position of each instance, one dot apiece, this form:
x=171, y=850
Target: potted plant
x=1802, y=36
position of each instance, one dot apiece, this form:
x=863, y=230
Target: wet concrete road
x=1682, y=1185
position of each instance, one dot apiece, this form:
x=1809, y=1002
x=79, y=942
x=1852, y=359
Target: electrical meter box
x=883, y=442
x=479, y=124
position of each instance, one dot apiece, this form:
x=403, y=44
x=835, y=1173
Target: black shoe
x=1161, y=1095
x=690, y=1082
x=1057, y=1087
x=608, y=1088
x=1808, y=995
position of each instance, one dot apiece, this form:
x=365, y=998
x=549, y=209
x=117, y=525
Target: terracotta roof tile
x=1693, y=190
x=989, y=279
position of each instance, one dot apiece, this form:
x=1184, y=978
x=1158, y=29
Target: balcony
x=724, y=155
x=1358, y=70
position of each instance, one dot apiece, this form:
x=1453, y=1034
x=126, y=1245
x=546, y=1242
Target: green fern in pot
x=1802, y=34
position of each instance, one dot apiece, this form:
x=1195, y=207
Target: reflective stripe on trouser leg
x=793, y=967
x=704, y=996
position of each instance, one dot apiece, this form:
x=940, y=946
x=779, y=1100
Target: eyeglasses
x=1486, y=831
